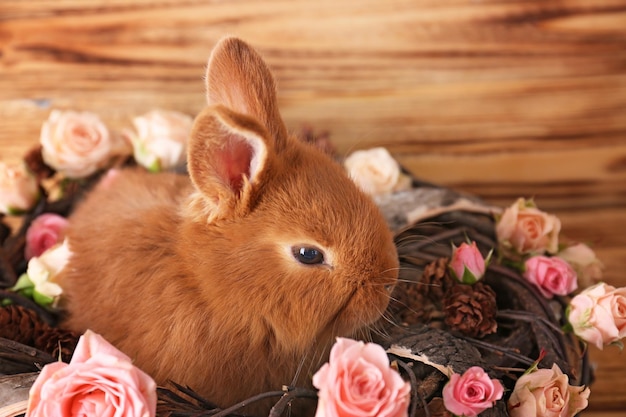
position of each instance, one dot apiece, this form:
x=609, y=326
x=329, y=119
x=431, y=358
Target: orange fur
x=194, y=279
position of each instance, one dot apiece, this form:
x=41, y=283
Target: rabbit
x=236, y=276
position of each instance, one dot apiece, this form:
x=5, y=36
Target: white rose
x=75, y=144
x=43, y=269
x=376, y=172
x=161, y=139
x=588, y=267
x=19, y=190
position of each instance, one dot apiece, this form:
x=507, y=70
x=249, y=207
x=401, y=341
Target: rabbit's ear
x=238, y=79
x=227, y=159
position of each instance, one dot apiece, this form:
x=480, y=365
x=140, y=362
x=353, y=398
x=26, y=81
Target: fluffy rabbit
x=232, y=279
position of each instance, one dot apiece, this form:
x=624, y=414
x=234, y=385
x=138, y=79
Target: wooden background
x=501, y=98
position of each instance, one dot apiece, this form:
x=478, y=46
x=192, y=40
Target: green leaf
x=530, y=203
x=14, y=211
x=518, y=265
x=567, y=328
x=155, y=166
x=27, y=292
x=22, y=283
x=535, y=364
x=42, y=300
x=468, y=277
x=488, y=258
x=619, y=344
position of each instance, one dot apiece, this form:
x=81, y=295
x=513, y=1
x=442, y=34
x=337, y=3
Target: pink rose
x=161, y=139
x=551, y=275
x=43, y=233
x=358, y=381
x=583, y=259
x=19, y=190
x=76, y=144
x=467, y=263
x=547, y=393
x=526, y=229
x=471, y=393
x=598, y=314
x=99, y=381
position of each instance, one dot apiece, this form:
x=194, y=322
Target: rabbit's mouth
x=363, y=307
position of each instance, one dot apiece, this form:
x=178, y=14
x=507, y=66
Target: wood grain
x=499, y=98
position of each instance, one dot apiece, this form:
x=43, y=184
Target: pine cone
x=20, y=324
x=436, y=280
x=407, y=305
x=320, y=140
x=471, y=309
x=421, y=301
x=34, y=162
x=54, y=341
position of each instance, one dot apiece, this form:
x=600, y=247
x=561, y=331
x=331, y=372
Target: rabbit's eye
x=308, y=256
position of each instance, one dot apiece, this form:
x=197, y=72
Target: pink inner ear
x=233, y=161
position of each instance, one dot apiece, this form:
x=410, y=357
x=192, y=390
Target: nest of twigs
x=501, y=323
x=457, y=325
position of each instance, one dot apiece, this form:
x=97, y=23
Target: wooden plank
x=603, y=414
x=457, y=88
x=497, y=98
x=607, y=392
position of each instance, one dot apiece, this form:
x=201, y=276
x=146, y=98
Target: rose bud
x=467, y=263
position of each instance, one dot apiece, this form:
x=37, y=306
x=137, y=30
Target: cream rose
x=527, y=229
x=76, y=144
x=19, y=190
x=42, y=270
x=583, y=259
x=547, y=393
x=376, y=172
x=160, y=140
x=99, y=381
x=598, y=314
x=358, y=381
